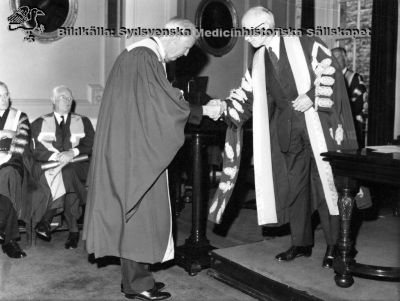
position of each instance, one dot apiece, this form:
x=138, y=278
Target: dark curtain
x=307, y=14
x=382, y=72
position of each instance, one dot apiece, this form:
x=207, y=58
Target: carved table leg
x=193, y=255
x=342, y=264
x=396, y=209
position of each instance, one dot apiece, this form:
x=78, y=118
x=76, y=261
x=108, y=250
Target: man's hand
x=53, y=171
x=214, y=109
x=218, y=102
x=7, y=134
x=65, y=157
x=302, y=103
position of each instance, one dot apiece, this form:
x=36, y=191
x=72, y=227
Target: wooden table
x=349, y=167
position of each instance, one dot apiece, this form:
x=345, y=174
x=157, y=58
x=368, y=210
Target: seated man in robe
x=14, y=139
x=60, y=137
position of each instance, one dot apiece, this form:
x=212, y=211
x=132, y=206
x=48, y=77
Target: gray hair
x=184, y=24
x=260, y=11
x=61, y=88
x=2, y=84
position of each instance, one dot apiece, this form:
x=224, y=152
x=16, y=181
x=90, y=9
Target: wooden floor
x=50, y=272
x=251, y=267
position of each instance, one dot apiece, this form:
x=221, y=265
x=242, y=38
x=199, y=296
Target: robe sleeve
x=159, y=117
x=240, y=102
x=164, y=109
x=324, y=74
x=20, y=143
x=39, y=151
x=196, y=114
x=331, y=99
x=239, y=110
x=86, y=143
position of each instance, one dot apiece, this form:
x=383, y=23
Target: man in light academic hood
x=297, y=98
x=139, y=130
x=61, y=136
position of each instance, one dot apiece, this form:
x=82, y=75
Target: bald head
x=62, y=99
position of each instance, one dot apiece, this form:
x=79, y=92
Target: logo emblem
x=25, y=18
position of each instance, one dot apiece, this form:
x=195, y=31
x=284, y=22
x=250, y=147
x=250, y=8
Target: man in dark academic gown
x=14, y=141
x=297, y=98
x=356, y=91
x=140, y=128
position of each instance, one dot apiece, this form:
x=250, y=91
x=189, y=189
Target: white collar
x=58, y=117
x=2, y=112
x=161, y=49
x=275, y=45
x=344, y=70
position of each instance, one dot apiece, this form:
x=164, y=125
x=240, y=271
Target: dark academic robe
x=12, y=171
x=356, y=89
x=13, y=174
x=140, y=128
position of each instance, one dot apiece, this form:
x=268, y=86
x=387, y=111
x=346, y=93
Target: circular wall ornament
x=41, y=19
x=216, y=17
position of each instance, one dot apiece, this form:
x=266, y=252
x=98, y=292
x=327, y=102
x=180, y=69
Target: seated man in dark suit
x=60, y=137
x=14, y=140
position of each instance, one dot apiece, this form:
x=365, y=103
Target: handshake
x=214, y=109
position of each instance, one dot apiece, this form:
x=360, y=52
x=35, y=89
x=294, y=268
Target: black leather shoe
x=353, y=252
x=2, y=238
x=293, y=252
x=72, y=240
x=158, y=286
x=330, y=254
x=152, y=294
x=327, y=262
x=13, y=250
x=43, y=230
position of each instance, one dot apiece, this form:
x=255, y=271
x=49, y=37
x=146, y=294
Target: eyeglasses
x=259, y=25
x=66, y=98
x=254, y=28
x=4, y=96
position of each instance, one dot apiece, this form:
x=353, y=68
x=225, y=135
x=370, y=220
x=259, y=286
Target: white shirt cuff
x=53, y=157
x=76, y=151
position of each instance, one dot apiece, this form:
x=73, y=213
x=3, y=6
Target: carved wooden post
x=343, y=263
x=193, y=255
